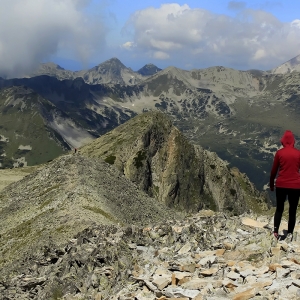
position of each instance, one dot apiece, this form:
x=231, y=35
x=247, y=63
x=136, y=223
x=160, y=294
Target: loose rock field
x=207, y=256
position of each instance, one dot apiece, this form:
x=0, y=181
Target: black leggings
x=293, y=197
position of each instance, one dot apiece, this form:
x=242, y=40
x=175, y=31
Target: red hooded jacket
x=287, y=161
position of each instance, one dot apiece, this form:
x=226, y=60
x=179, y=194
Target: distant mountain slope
x=111, y=71
x=150, y=151
x=52, y=69
x=34, y=130
x=95, y=108
x=293, y=65
x=148, y=70
x=26, y=136
x=63, y=198
x=238, y=114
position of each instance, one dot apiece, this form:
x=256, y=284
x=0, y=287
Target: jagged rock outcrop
x=154, y=154
x=63, y=198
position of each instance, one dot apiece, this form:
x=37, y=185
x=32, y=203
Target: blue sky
x=79, y=34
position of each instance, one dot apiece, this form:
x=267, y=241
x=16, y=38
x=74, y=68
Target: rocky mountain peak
x=53, y=70
x=112, y=62
x=172, y=70
x=293, y=65
x=154, y=154
x=50, y=66
x=112, y=71
x=148, y=70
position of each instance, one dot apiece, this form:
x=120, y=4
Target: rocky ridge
x=207, y=256
x=154, y=154
x=111, y=71
x=65, y=196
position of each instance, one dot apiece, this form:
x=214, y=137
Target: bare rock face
x=230, y=189
x=154, y=154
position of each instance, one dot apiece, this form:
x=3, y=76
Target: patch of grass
x=155, y=190
x=22, y=230
x=62, y=228
x=49, y=189
x=257, y=205
x=254, y=257
x=98, y=210
x=110, y=159
x=242, y=183
x=56, y=293
x=45, y=203
x=23, y=234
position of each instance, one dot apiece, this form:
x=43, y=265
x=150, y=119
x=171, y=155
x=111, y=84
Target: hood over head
x=288, y=139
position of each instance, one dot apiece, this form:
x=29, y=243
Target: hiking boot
x=276, y=235
x=289, y=238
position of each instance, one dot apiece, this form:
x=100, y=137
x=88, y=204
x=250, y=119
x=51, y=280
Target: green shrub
x=233, y=192
x=110, y=159
x=138, y=160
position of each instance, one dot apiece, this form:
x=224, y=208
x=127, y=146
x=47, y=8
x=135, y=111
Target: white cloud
x=254, y=38
x=164, y=45
x=31, y=31
x=161, y=55
x=128, y=45
x=296, y=23
x=259, y=54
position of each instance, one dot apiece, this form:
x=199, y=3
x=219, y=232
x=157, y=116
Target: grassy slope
x=23, y=125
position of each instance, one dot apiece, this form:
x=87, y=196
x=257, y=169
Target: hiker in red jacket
x=287, y=164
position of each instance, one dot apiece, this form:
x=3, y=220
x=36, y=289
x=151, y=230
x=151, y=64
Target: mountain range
x=92, y=223
x=112, y=71
x=142, y=172
x=240, y=115
x=128, y=214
